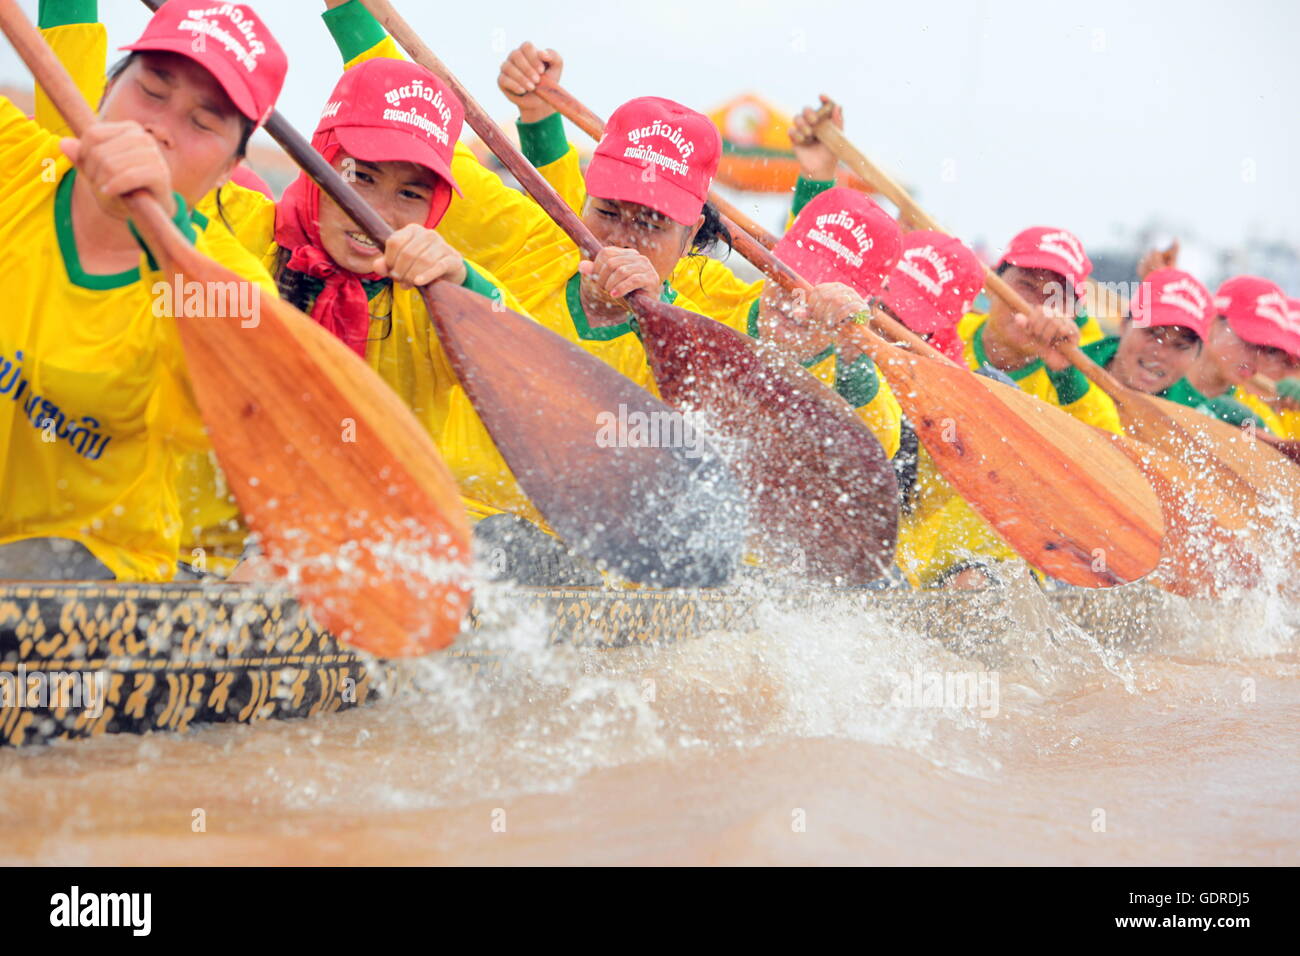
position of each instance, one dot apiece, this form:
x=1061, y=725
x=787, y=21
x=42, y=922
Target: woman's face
x=629, y=225
x=1152, y=359
x=1234, y=360
x=185, y=109
x=400, y=192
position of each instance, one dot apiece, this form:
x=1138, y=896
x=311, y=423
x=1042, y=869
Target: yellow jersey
x=99, y=412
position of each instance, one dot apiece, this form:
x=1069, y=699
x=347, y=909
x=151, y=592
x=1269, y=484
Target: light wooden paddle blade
x=1206, y=550
x=1088, y=517
x=1253, y=460
x=824, y=499
x=351, y=501
x=625, y=480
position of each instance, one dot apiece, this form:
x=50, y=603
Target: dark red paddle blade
x=625, y=480
x=823, y=497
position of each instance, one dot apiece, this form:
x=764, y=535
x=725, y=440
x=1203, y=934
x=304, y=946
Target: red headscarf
x=342, y=307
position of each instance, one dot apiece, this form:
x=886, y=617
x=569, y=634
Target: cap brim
x=622, y=182
x=1038, y=260
x=223, y=71
x=383, y=144
x=914, y=310
x=1266, y=334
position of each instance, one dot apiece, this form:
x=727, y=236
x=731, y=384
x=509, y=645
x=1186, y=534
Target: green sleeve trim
x=354, y=29
x=669, y=294
x=1070, y=384
x=62, y=13
x=858, y=383
x=751, y=325
x=474, y=280
x=181, y=220
x=806, y=190
x=543, y=142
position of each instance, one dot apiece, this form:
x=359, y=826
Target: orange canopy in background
x=756, y=153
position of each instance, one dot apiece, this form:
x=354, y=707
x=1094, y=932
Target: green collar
x=603, y=333
x=982, y=359
x=68, y=245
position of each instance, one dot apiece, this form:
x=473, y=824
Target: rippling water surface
x=1145, y=732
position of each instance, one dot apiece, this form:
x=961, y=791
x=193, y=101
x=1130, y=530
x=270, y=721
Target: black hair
x=711, y=232
x=300, y=290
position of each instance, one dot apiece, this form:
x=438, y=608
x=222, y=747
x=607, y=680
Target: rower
x=1048, y=267
x=1162, y=336
x=100, y=413
x=1251, y=325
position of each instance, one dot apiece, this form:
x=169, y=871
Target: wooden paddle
x=823, y=492
x=349, y=497
x=1150, y=419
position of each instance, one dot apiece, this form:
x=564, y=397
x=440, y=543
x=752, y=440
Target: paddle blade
x=351, y=501
x=625, y=480
x=1206, y=546
x=823, y=496
x=1066, y=500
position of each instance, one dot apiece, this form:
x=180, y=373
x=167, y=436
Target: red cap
x=386, y=110
x=1256, y=310
x=231, y=42
x=934, y=283
x=842, y=236
x=1172, y=297
x=1044, y=247
x=659, y=154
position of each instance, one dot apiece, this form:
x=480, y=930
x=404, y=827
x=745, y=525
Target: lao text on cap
x=1057, y=250
x=1169, y=297
x=1257, y=312
x=387, y=110
x=659, y=154
x=934, y=282
x=842, y=236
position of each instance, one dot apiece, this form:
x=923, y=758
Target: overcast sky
x=1095, y=116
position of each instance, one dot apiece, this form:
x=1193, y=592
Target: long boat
x=84, y=659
